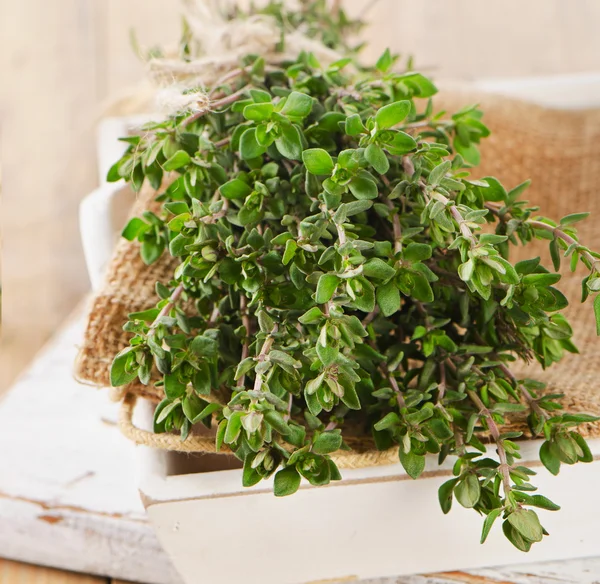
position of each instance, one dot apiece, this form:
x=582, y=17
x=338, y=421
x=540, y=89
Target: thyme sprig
x=339, y=269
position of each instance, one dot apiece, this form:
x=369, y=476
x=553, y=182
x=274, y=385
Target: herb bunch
x=341, y=274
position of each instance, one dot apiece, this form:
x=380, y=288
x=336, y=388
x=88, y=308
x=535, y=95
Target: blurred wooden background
x=63, y=61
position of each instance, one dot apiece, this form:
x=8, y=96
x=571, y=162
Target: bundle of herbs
x=341, y=274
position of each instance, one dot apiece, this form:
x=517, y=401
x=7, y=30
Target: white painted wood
x=384, y=535
x=67, y=476
x=98, y=233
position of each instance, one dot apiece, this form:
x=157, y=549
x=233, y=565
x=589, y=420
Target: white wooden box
x=376, y=522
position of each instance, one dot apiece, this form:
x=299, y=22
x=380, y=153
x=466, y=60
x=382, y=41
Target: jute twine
x=558, y=150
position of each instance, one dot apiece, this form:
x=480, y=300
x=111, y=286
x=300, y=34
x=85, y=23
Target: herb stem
x=525, y=393
x=395, y=219
x=370, y=317
x=223, y=142
x=258, y=381
x=227, y=77
x=442, y=384
x=557, y=232
x=289, y=411
x=465, y=230
x=246, y=344
x=166, y=309
x=495, y=432
x=386, y=373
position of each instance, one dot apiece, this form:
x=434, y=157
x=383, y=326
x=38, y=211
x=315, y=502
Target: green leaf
x=468, y=491
x=469, y=152
x=439, y=172
x=413, y=463
x=365, y=301
x=495, y=191
x=515, y=537
x=277, y=421
x=587, y=455
x=290, y=142
x=249, y=146
x=209, y=410
x=326, y=287
x=290, y=251
x=508, y=408
x=230, y=271
x=597, y=313
x=119, y=375
x=235, y=189
x=327, y=442
x=515, y=193
x=417, y=252
x=205, y=347
x=549, y=460
x=401, y=143
x=356, y=207
x=388, y=298
x=543, y=503
x=234, y=427
x=134, y=228
x=445, y=495
x=350, y=397
x=363, y=188
x=354, y=126
x=161, y=416
x=555, y=254
x=390, y=420
x=422, y=289
x=573, y=218
x=489, y=521
x=526, y=522
x=258, y=112
x=220, y=437
x=159, y=427
x=377, y=158
x=311, y=316
x=250, y=476
x=385, y=62
x=377, y=268
x=145, y=315
x=173, y=387
x=420, y=85
x=317, y=161
x=392, y=114
x=298, y=105
x=151, y=250
x=113, y=174
x=201, y=381
x=179, y=159
x=287, y=482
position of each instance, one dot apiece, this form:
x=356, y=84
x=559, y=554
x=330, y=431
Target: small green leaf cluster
x=340, y=273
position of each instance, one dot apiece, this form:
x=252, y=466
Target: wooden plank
x=68, y=495
x=16, y=573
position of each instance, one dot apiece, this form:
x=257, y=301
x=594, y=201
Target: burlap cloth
x=558, y=150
